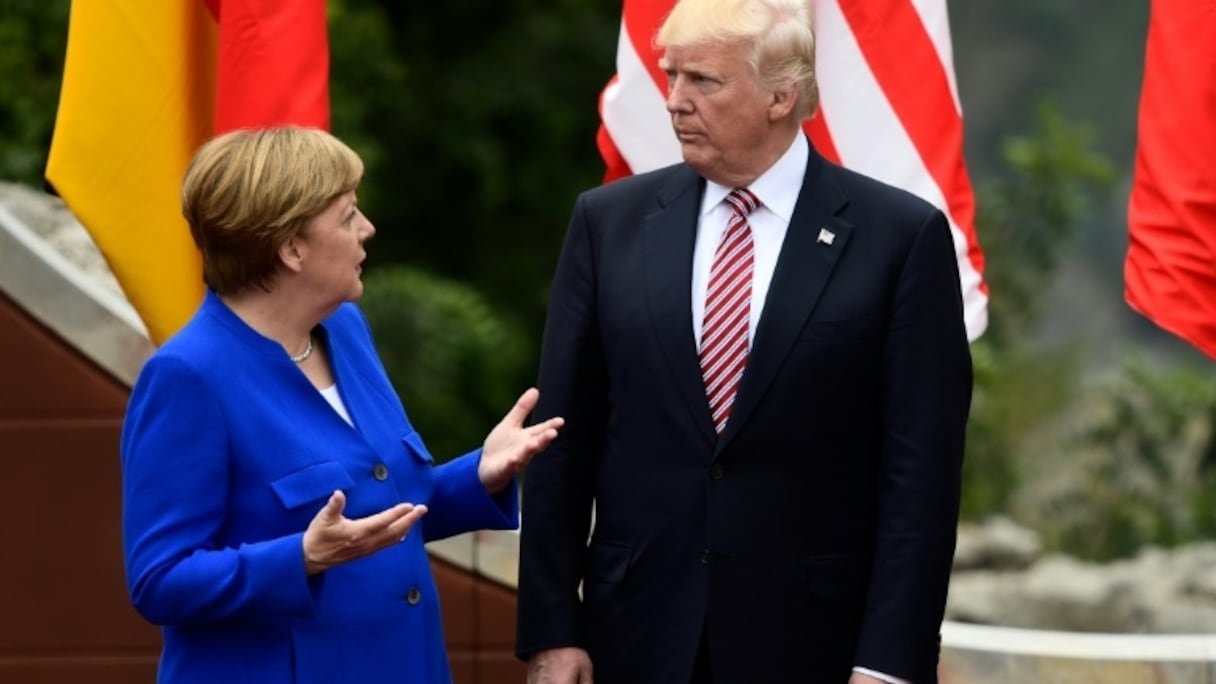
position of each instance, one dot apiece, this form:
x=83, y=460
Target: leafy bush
x=456, y=363
x=1150, y=466
x=1027, y=224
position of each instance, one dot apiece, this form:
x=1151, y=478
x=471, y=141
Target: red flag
x=889, y=109
x=273, y=65
x=1170, y=271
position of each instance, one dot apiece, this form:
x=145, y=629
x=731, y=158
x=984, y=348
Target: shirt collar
x=777, y=188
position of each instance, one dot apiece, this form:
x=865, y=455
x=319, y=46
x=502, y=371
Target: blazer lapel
x=670, y=233
x=814, y=242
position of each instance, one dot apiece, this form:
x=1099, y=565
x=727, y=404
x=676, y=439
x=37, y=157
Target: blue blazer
x=816, y=533
x=228, y=452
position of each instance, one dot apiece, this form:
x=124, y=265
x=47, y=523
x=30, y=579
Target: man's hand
x=332, y=539
x=560, y=666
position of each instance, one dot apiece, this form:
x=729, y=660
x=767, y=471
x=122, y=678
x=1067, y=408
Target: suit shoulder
x=187, y=362
x=642, y=186
x=200, y=340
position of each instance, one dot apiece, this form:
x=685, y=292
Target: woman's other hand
x=510, y=445
x=332, y=539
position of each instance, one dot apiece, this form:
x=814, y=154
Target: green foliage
x=1027, y=222
x=457, y=363
x=1016, y=392
x=1150, y=477
x=480, y=122
x=1028, y=218
x=33, y=37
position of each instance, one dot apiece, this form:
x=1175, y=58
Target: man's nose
x=676, y=101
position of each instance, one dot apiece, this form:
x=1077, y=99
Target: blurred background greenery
x=477, y=122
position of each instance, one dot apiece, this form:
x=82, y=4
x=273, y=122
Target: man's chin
x=696, y=160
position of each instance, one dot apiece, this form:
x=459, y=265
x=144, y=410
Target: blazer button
x=716, y=472
x=413, y=596
x=380, y=472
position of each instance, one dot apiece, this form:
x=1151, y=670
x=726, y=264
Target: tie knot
x=742, y=201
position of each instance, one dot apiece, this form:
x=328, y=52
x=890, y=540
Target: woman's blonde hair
x=248, y=191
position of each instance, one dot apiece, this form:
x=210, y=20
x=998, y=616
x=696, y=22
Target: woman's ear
x=292, y=253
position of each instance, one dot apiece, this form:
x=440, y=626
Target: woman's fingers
x=523, y=406
x=332, y=512
x=386, y=527
x=401, y=527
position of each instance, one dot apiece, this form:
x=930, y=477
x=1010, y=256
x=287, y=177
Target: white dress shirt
x=777, y=189
x=335, y=400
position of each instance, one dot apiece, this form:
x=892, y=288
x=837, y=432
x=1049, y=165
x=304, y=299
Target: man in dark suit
x=763, y=367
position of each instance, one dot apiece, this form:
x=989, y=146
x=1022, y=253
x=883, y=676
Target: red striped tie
x=728, y=309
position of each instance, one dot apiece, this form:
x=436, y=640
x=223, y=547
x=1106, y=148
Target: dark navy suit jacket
x=817, y=532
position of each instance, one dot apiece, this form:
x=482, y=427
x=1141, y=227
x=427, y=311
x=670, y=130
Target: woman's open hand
x=510, y=445
x=332, y=539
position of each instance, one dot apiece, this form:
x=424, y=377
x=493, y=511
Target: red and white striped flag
x=889, y=108
x=1170, y=272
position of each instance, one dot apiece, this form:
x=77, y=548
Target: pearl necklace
x=303, y=356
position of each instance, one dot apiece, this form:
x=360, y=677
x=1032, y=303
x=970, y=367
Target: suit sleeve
x=558, y=491
x=926, y=398
x=461, y=504
x=175, y=492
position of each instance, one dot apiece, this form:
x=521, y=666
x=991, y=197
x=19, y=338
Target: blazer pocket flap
x=608, y=562
x=311, y=483
x=413, y=444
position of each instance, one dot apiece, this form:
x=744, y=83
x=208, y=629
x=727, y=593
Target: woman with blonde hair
x=276, y=498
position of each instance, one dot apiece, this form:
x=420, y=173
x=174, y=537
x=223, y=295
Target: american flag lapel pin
x=826, y=236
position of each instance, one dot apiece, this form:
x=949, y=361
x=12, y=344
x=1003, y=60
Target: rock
x=48, y=217
x=1159, y=591
x=997, y=544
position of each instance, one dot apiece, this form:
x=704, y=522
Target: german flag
x=145, y=83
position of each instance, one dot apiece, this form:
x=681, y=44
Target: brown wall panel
x=107, y=670
x=497, y=667
x=479, y=624
x=496, y=617
x=70, y=592
x=66, y=614
x=42, y=377
x=456, y=598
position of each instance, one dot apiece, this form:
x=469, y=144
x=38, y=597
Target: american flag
x=889, y=109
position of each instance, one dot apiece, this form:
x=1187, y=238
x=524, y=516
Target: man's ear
x=782, y=102
x=291, y=253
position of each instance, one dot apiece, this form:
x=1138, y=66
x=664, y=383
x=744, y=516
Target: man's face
x=720, y=114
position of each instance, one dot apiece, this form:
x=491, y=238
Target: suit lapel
x=804, y=266
x=670, y=232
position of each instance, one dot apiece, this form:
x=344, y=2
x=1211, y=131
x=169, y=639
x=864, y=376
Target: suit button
x=705, y=557
x=413, y=596
x=380, y=472
x=716, y=472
